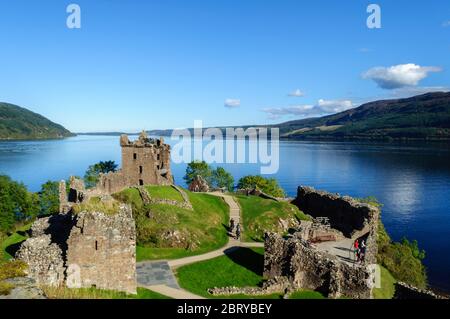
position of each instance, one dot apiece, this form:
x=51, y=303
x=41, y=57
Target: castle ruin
x=145, y=161
x=90, y=243
x=318, y=257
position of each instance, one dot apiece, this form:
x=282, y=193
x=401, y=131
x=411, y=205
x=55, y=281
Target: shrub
x=267, y=185
x=12, y=269
x=218, y=177
x=5, y=288
x=402, y=259
x=49, y=198
x=195, y=168
x=223, y=179
x=16, y=203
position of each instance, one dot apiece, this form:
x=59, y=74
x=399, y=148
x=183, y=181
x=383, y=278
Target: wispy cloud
x=364, y=50
x=232, y=103
x=446, y=24
x=322, y=107
x=296, y=93
x=398, y=76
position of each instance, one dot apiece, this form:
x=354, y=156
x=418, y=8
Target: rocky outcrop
x=23, y=288
x=199, y=185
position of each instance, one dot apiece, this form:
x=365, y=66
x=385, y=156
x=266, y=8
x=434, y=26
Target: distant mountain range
x=422, y=117
x=19, y=123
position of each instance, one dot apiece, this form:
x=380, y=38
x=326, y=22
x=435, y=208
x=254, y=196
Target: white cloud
x=399, y=76
x=446, y=24
x=297, y=93
x=322, y=107
x=232, y=103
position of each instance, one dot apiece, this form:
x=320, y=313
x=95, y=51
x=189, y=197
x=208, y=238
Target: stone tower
x=145, y=161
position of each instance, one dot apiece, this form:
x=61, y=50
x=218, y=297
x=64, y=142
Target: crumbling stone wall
x=354, y=219
x=44, y=259
x=316, y=232
x=306, y=268
x=102, y=251
x=345, y=214
x=83, y=250
x=405, y=291
x=112, y=182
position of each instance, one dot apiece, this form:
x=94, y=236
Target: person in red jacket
x=357, y=250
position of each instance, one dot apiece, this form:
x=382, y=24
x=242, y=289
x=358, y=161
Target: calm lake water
x=412, y=182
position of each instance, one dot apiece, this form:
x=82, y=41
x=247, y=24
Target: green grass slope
x=261, y=215
x=19, y=123
x=168, y=232
x=240, y=268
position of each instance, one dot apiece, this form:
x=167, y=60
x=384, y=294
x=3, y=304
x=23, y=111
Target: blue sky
x=162, y=64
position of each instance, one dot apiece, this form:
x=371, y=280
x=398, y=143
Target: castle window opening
x=140, y=169
x=157, y=167
x=96, y=245
x=141, y=182
x=135, y=156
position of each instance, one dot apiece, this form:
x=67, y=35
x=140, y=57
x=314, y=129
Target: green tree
x=222, y=179
x=201, y=168
x=16, y=203
x=267, y=185
x=49, y=198
x=93, y=172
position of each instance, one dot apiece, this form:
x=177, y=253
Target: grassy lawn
x=306, y=294
x=261, y=215
x=164, y=192
x=9, y=244
x=91, y=293
x=240, y=268
x=387, y=289
x=196, y=232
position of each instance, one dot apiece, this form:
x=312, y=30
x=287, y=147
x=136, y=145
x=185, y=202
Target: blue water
x=412, y=181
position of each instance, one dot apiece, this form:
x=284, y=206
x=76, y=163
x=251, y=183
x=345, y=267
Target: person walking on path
x=231, y=229
x=238, y=231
